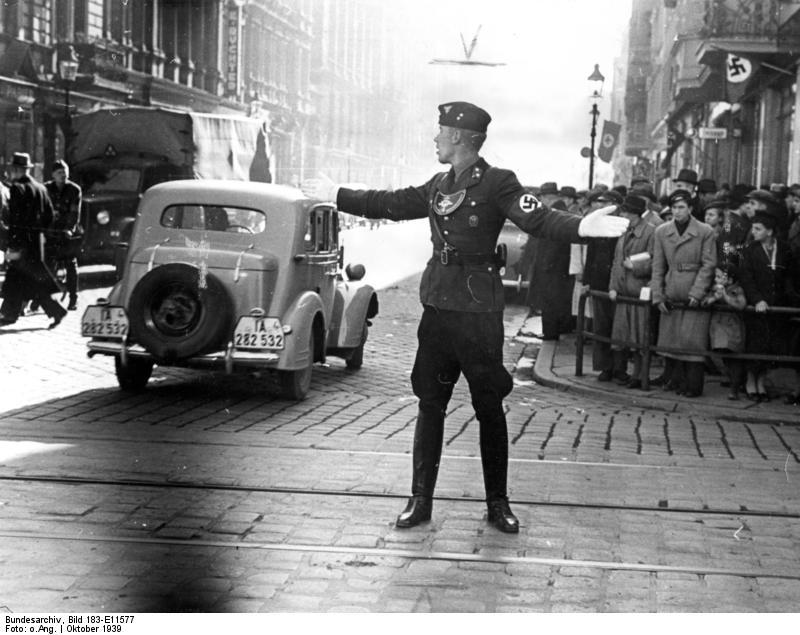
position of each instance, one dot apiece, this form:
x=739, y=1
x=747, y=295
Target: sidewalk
x=553, y=365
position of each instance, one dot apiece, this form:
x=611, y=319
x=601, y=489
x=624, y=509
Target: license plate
x=258, y=333
x=104, y=321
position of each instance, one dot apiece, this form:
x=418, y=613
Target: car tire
x=176, y=313
x=295, y=384
x=355, y=360
x=134, y=375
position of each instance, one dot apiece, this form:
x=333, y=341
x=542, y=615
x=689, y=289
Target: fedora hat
x=548, y=188
x=21, y=160
x=686, y=176
x=568, y=190
x=707, y=186
x=634, y=205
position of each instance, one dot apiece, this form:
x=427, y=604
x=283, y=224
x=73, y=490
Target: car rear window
x=237, y=220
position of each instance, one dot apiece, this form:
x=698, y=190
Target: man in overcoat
x=461, y=330
x=30, y=214
x=684, y=259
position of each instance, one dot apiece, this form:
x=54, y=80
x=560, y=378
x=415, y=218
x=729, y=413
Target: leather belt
x=453, y=257
x=687, y=266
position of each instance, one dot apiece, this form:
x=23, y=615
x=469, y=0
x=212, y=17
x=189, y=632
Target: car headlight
x=103, y=217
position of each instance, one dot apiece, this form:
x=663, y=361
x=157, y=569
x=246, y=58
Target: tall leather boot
x=494, y=459
x=427, y=452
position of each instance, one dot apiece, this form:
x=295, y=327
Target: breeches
x=455, y=342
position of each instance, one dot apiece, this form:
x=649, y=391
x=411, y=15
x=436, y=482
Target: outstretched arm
x=404, y=204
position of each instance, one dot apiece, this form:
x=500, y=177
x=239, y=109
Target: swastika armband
x=529, y=203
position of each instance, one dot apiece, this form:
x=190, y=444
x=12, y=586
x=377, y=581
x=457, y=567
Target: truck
x=116, y=154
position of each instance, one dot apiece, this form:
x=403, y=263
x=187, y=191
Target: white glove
x=321, y=188
x=599, y=224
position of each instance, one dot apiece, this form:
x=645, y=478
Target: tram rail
x=410, y=554
x=739, y=512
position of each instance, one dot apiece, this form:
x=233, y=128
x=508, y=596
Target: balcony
x=746, y=27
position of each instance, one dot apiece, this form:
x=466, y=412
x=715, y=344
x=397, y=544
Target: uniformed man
x=66, y=234
x=461, y=330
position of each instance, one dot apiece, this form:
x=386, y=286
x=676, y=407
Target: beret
x=461, y=114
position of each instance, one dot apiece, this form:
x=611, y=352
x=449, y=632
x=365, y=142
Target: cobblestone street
x=210, y=493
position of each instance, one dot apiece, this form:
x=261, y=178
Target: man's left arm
x=524, y=210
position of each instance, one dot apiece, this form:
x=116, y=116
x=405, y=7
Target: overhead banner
x=608, y=140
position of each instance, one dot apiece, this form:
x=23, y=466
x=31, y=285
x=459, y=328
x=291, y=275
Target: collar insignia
x=444, y=204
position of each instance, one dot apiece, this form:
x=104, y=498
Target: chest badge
x=473, y=220
x=444, y=204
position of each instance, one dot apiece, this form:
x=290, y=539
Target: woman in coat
x=684, y=259
x=768, y=276
x=630, y=273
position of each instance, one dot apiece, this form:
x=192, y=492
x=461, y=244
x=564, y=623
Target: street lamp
x=68, y=70
x=596, y=80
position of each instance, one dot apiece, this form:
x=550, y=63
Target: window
x=322, y=233
x=37, y=21
x=235, y=220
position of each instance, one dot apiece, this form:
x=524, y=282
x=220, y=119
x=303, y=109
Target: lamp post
x=68, y=70
x=596, y=79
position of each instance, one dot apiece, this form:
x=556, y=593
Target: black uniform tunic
x=491, y=195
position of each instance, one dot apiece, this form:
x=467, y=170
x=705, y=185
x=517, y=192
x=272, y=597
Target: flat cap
x=611, y=197
x=461, y=114
x=59, y=164
x=680, y=195
x=763, y=196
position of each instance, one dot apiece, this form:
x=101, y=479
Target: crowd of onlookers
x=695, y=258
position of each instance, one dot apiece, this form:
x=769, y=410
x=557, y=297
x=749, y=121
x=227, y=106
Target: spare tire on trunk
x=176, y=312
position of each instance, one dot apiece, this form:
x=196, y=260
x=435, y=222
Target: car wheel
x=176, y=312
x=356, y=359
x=134, y=375
x=295, y=384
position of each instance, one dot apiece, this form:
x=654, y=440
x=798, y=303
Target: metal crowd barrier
x=648, y=349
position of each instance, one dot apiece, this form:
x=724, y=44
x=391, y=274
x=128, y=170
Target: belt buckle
x=444, y=256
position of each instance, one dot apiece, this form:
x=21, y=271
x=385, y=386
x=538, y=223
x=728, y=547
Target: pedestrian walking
x=66, y=235
x=684, y=259
x=461, y=329
x=30, y=213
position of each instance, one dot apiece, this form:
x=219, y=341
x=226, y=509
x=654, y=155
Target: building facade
x=684, y=107
x=323, y=75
